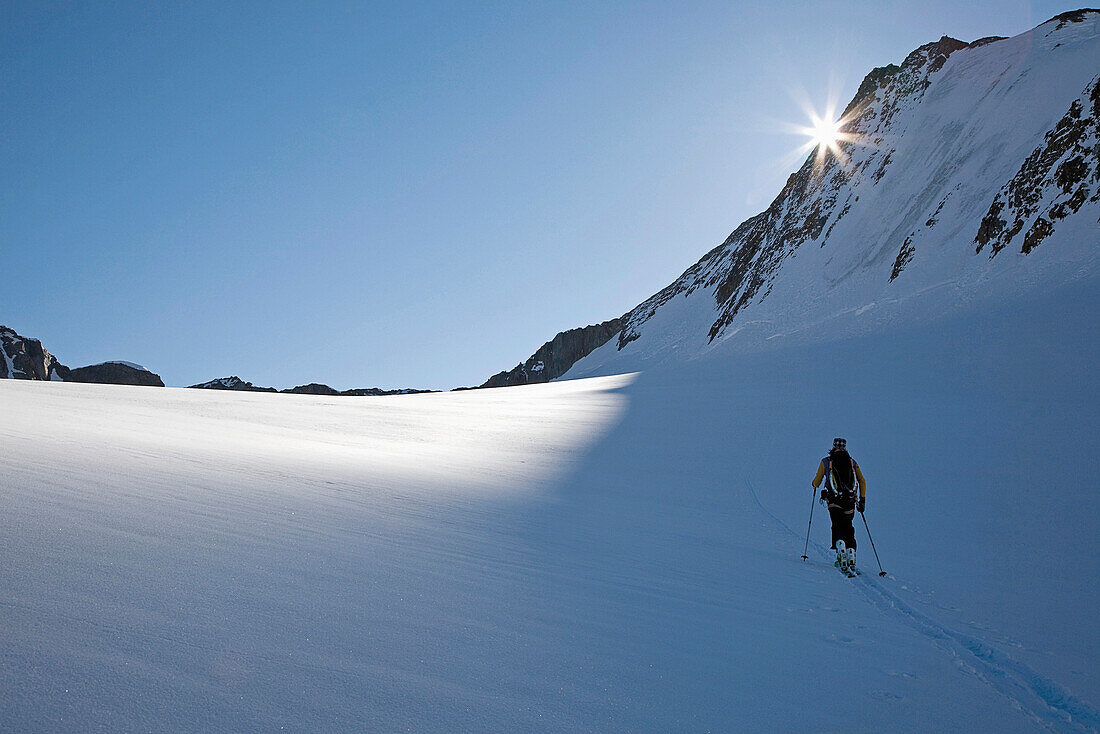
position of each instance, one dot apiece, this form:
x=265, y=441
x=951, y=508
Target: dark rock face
x=312, y=388
x=556, y=356
x=27, y=359
x=115, y=373
x=232, y=383
x=1072, y=16
x=378, y=392
x=1054, y=181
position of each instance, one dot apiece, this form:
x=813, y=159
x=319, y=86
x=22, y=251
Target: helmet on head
x=839, y=443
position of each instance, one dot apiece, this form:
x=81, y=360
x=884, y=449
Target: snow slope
x=972, y=171
x=612, y=554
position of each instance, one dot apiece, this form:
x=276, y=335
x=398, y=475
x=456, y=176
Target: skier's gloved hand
x=861, y=503
x=824, y=495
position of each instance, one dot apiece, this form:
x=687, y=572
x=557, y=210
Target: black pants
x=842, y=526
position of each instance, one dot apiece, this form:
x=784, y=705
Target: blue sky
x=405, y=194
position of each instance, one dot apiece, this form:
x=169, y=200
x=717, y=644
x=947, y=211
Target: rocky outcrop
x=312, y=388
x=556, y=356
x=231, y=383
x=1053, y=183
x=378, y=392
x=27, y=359
x=115, y=373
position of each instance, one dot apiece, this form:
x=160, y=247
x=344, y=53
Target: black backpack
x=841, y=470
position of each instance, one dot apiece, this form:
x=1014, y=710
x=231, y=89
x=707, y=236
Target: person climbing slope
x=845, y=492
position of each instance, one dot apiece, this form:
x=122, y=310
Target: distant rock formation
x=556, y=356
x=232, y=383
x=27, y=359
x=115, y=373
x=378, y=392
x=313, y=388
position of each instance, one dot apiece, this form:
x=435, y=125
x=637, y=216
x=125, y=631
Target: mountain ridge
x=962, y=145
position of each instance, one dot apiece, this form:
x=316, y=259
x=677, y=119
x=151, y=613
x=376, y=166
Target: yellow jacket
x=859, y=477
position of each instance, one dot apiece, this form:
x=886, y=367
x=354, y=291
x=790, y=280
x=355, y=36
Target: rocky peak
x=955, y=131
x=933, y=55
x=1072, y=16
x=231, y=383
x=555, y=357
x=27, y=359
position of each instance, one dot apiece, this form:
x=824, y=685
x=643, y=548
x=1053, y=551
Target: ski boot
x=850, y=558
x=841, y=562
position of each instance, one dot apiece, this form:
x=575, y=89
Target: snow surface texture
x=590, y=555
x=995, y=143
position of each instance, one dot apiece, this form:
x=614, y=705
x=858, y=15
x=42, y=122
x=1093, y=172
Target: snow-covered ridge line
x=969, y=164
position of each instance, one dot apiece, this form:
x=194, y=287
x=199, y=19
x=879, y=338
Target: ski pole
x=813, y=501
x=880, y=571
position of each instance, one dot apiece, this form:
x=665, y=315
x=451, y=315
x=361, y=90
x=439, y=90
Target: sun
x=826, y=133
x=830, y=138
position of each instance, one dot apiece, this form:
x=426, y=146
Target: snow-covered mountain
x=625, y=553
x=232, y=383
x=972, y=169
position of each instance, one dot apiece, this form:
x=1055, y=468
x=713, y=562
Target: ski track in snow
x=564, y=557
x=1044, y=701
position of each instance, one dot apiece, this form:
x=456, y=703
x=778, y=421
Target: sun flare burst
x=826, y=133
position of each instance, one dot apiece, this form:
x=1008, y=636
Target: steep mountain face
x=971, y=169
x=556, y=356
x=27, y=359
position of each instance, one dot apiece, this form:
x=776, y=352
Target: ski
x=846, y=560
x=843, y=563
x=844, y=570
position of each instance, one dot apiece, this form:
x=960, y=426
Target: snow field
x=612, y=554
